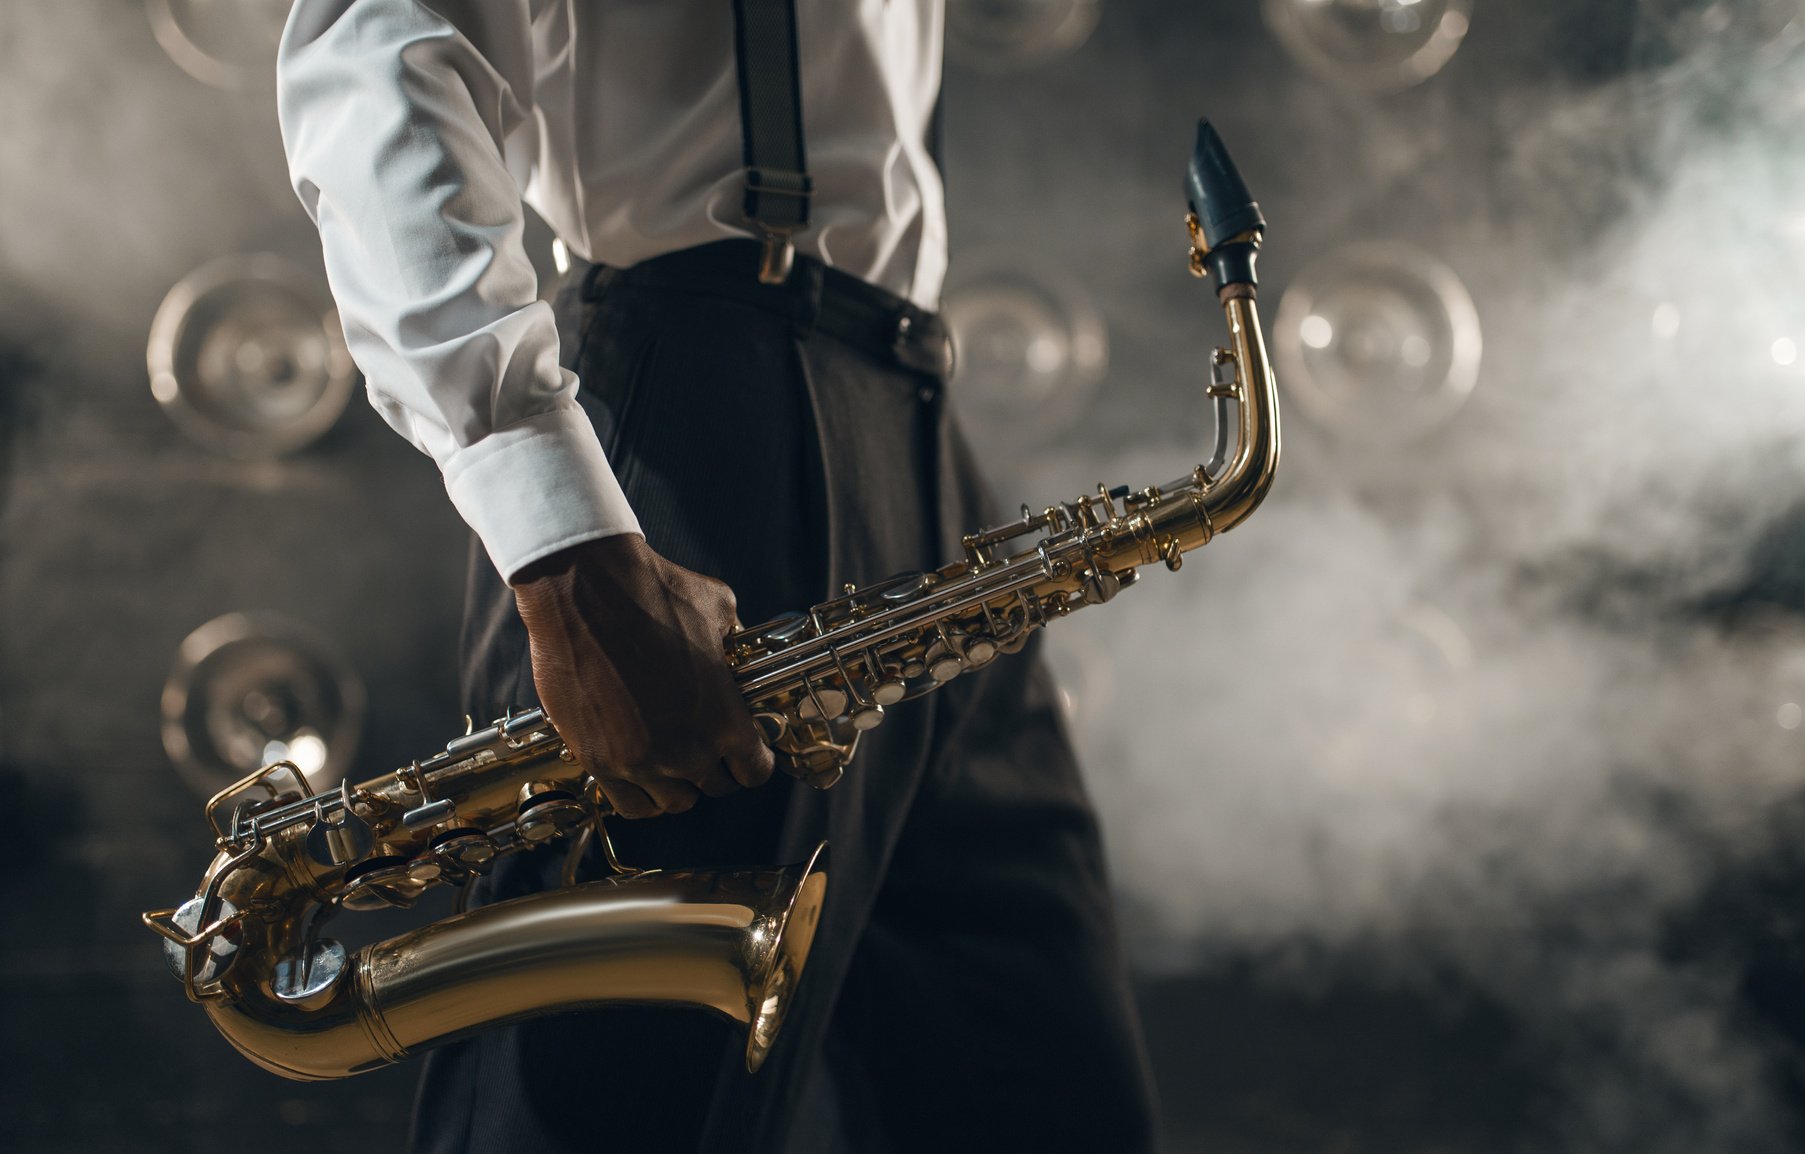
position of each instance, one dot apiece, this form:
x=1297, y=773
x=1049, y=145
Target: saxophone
x=249, y=947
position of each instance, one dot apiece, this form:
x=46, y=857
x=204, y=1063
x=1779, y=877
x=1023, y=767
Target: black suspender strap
x=777, y=181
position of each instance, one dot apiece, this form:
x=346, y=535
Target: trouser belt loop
x=924, y=343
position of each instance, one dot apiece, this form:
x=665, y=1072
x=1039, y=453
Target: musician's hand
x=629, y=663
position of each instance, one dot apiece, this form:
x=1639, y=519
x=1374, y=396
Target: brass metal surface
x=730, y=942
x=734, y=943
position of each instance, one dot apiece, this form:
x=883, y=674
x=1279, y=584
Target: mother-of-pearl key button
x=832, y=701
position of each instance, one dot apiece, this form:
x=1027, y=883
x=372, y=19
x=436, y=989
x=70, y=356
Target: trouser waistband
x=815, y=298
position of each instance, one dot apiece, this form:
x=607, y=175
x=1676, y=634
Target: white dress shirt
x=413, y=132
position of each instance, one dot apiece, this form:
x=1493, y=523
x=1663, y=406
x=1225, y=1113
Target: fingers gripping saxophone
x=249, y=946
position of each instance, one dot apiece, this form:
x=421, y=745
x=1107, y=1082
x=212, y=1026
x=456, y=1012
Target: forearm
x=398, y=126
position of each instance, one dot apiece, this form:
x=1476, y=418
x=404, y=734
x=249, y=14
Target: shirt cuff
x=536, y=487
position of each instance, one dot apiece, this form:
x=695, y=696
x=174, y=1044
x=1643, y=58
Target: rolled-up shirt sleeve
x=409, y=133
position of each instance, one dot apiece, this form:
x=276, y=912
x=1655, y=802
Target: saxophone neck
x=1226, y=229
x=1232, y=495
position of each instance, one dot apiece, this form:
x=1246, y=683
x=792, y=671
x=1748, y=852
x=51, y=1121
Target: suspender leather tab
x=778, y=188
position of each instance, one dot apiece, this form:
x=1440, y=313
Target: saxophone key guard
x=729, y=942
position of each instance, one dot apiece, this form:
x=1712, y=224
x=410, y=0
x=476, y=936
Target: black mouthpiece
x=1218, y=195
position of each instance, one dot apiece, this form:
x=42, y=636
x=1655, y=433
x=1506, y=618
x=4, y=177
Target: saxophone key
x=547, y=812
x=890, y=691
x=1100, y=586
x=785, y=630
x=980, y=651
x=822, y=704
x=381, y=883
x=464, y=850
x=430, y=814
x=340, y=837
x=902, y=588
x=771, y=725
x=219, y=949
x=943, y=664
x=307, y=981
x=481, y=739
x=867, y=717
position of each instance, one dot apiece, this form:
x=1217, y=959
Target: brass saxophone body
x=249, y=947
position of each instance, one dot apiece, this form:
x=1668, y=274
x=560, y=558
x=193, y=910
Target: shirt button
x=926, y=394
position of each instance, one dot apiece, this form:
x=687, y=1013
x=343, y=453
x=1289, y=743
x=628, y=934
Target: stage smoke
x=1296, y=781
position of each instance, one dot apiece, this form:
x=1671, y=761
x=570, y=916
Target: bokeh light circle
x=1030, y=348
x=1378, y=342
x=1006, y=35
x=249, y=689
x=229, y=44
x=1370, y=45
x=247, y=357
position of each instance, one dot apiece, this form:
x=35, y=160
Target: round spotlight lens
x=1371, y=45
x=1378, y=342
x=247, y=357
x=1030, y=349
x=1007, y=35
x=250, y=689
x=228, y=44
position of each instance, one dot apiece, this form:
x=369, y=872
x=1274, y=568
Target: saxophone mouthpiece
x=1228, y=221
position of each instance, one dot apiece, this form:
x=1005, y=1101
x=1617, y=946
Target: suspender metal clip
x=778, y=187
x=778, y=257
x=777, y=203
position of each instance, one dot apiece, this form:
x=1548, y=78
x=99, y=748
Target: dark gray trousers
x=966, y=989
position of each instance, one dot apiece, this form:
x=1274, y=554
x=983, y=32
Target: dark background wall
x=1453, y=801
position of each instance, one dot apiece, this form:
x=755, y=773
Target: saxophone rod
x=1226, y=229
x=248, y=946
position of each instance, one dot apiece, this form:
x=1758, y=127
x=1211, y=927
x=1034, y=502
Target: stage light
x=229, y=44
x=1030, y=349
x=1005, y=35
x=1377, y=342
x=247, y=357
x=250, y=689
x=1372, y=45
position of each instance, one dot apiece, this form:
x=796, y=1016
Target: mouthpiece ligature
x=248, y=947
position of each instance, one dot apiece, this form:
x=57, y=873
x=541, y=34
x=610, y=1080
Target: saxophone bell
x=730, y=942
x=248, y=946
